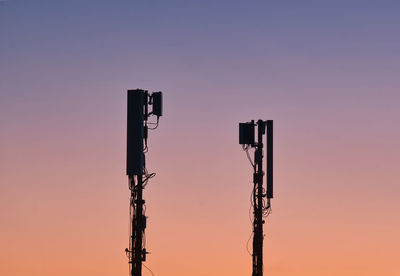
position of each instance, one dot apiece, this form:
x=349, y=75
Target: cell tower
x=137, y=134
x=261, y=196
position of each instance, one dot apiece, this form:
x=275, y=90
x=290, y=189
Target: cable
x=147, y=178
x=148, y=269
x=246, y=149
x=247, y=244
x=152, y=128
x=251, y=221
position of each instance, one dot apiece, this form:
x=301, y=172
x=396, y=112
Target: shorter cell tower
x=137, y=134
x=261, y=196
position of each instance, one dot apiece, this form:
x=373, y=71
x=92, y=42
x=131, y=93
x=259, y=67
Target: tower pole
x=258, y=203
x=137, y=252
x=137, y=134
x=137, y=242
x=247, y=140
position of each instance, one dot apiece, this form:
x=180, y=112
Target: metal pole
x=258, y=204
x=133, y=223
x=255, y=235
x=138, y=229
x=137, y=134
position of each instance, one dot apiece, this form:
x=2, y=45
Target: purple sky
x=327, y=72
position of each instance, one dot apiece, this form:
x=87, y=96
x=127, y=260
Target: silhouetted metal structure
x=137, y=133
x=261, y=207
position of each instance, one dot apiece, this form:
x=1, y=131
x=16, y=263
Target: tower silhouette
x=261, y=197
x=137, y=135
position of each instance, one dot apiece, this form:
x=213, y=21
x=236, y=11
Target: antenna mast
x=137, y=134
x=261, y=207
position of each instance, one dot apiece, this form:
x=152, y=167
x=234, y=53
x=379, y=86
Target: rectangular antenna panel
x=270, y=160
x=157, y=103
x=135, y=131
x=246, y=133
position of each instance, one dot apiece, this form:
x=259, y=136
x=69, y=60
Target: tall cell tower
x=137, y=134
x=261, y=197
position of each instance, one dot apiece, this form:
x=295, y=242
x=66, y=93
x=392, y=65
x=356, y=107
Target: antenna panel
x=246, y=133
x=270, y=160
x=157, y=103
x=135, y=132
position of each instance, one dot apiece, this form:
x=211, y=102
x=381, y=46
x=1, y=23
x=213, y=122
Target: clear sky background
x=326, y=72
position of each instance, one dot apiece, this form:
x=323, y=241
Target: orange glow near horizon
x=326, y=74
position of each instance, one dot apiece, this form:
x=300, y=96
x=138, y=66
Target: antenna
x=137, y=134
x=261, y=207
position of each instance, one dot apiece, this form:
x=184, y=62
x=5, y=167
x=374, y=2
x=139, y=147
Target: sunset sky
x=327, y=73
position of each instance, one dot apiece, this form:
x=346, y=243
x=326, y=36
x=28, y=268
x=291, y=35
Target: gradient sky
x=327, y=73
